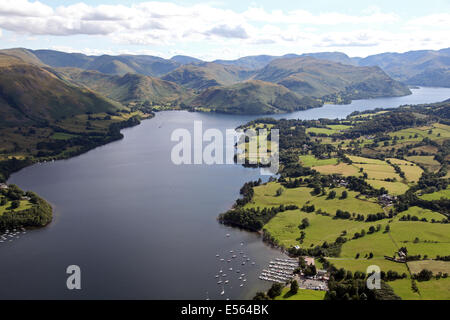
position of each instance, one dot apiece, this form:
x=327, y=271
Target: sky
x=225, y=29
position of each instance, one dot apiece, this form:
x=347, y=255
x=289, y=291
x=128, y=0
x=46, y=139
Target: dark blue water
x=141, y=227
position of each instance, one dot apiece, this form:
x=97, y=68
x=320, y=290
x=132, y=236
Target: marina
x=279, y=270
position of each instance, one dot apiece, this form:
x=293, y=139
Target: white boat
x=228, y=235
x=226, y=281
x=219, y=282
x=217, y=275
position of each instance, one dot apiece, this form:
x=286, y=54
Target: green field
x=341, y=168
x=379, y=243
x=426, y=161
x=265, y=196
x=362, y=264
x=329, y=129
x=403, y=289
x=421, y=213
x=302, y=294
x=435, y=289
x=434, y=238
x=24, y=204
x=437, y=195
x=362, y=160
x=284, y=227
x=63, y=136
x=439, y=132
x=395, y=188
x=311, y=161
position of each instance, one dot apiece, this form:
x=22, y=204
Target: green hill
x=33, y=95
x=252, y=97
x=315, y=77
x=119, y=65
x=127, y=88
x=205, y=75
x=423, y=67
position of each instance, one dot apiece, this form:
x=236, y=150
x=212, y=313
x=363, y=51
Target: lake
x=141, y=227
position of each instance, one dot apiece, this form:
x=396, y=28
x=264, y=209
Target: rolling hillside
x=128, y=88
x=31, y=95
x=205, y=75
x=425, y=67
x=252, y=97
x=120, y=65
x=308, y=76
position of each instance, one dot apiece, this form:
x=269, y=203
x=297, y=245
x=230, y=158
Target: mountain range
x=65, y=82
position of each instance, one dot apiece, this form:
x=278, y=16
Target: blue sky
x=225, y=29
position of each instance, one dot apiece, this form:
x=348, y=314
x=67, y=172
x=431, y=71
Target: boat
x=231, y=269
x=228, y=235
x=220, y=271
x=219, y=282
x=217, y=275
x=241, y=285
x=226, y=281
x=217, y=255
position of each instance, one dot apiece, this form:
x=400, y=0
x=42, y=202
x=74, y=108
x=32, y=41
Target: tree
x=279, y=192
x=310, y=271
x=275, y=290
x=15, y=204
x=261, y=296
x=3, y=202
x=344, y=194
x=294, y=287
x=305, y=224
x=425, y=275
x=331, y=195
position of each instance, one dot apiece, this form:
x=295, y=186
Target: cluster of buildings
x=3, y=186
x=387, y=200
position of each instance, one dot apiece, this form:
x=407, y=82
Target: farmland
x=363, y=201
x=302, y=294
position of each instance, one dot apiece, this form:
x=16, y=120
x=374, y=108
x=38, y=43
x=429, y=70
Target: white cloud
x=24, y=8
x=37, y=18
x=441, y=20
x=211, y=26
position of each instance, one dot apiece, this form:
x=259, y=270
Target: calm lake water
x=141, y=227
